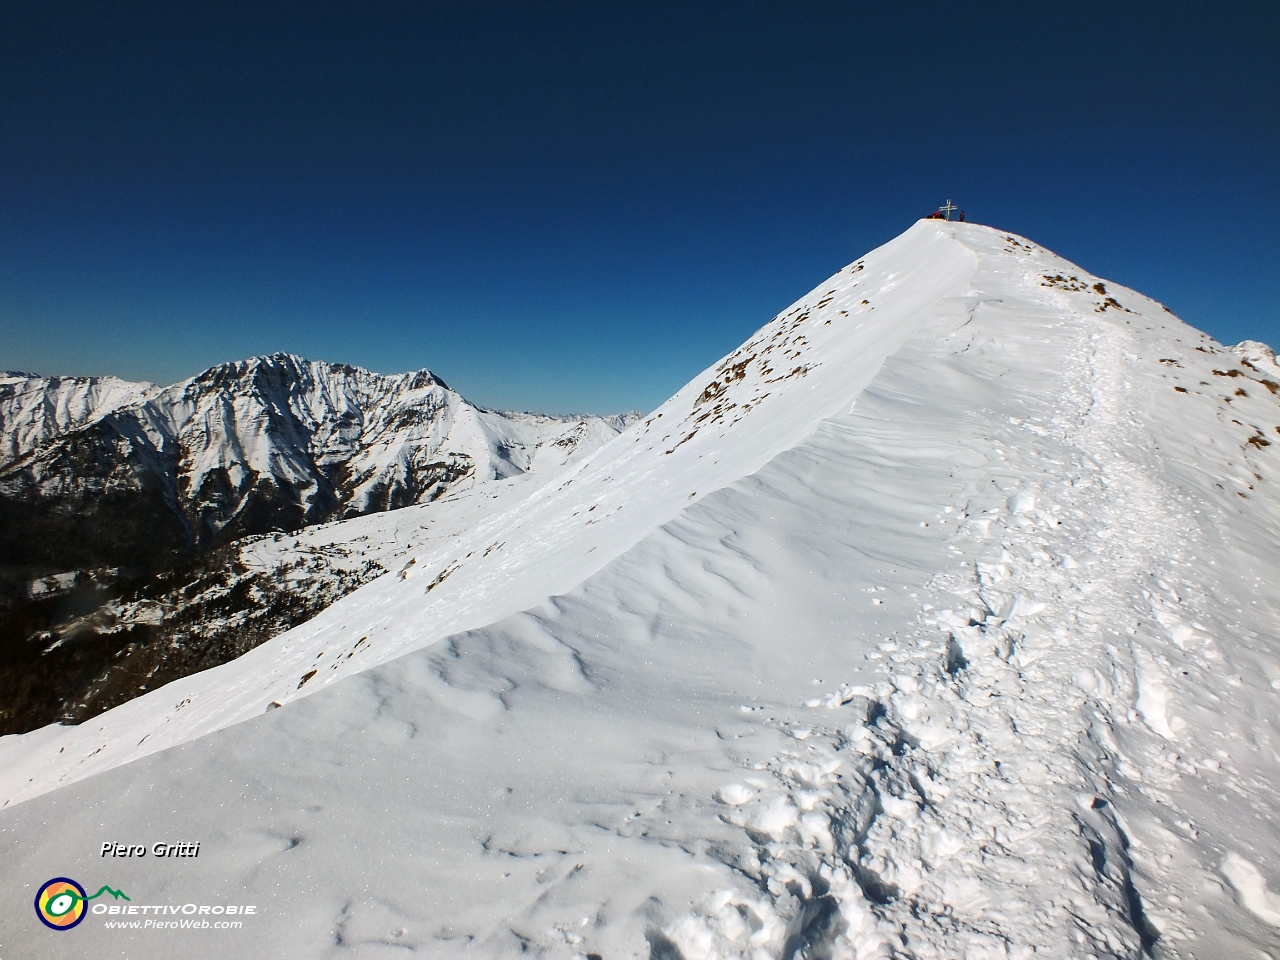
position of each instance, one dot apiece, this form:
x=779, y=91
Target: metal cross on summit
x=948, y=209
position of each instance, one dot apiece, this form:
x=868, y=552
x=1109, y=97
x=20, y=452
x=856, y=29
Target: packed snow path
x=986, y=805
x=983, y=665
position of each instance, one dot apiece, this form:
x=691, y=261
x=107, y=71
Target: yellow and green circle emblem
x=60, y=904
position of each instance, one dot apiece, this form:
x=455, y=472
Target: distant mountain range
x=126, y=510
x=100, y=471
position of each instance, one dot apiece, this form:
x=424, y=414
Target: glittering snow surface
x=936, y=621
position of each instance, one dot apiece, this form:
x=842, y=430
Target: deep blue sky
x=577, y=206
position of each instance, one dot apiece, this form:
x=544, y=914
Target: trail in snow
x=946, y=832
x=983, y=819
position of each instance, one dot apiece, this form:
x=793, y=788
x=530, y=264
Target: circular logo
x=60, y=904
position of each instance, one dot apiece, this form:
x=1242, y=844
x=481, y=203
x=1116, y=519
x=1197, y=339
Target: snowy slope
x=128, y=513
x=769, y=394
x=938, y=620
x=288, y=577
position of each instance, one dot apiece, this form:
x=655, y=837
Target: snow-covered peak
x=1258, y=354
x=810, y=362
x=265, y=373
x=937, y=620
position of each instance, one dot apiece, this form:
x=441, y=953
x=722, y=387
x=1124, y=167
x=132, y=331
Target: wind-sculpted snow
x=947, y=635
x=808, y=363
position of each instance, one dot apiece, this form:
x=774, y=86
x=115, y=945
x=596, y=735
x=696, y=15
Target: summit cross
x=948, y=209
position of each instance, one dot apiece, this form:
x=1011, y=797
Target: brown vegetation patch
x=442, y=576
x=1070, y=284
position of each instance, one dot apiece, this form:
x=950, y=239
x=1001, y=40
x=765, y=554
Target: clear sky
x=578, y=206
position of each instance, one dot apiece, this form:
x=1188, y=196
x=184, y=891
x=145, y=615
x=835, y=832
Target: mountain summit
x=936, y=620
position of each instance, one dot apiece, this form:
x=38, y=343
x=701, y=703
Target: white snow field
x=939, y=620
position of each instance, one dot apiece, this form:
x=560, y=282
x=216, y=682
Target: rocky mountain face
x=121, y=503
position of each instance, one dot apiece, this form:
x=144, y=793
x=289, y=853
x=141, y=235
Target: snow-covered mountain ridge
x=938, y=620
x=35, y=409
x=274, y=442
